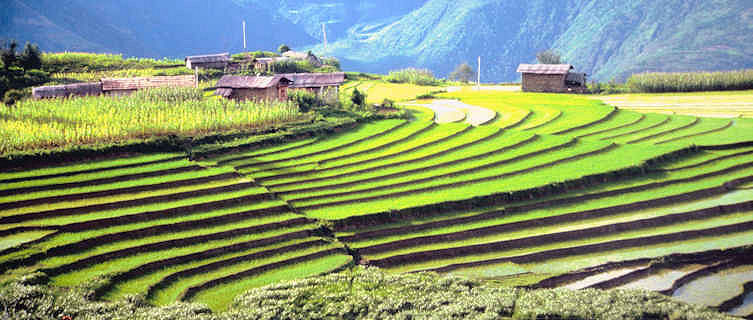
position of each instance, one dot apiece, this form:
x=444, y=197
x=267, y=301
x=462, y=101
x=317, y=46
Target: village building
x=326, y=85
x=253, y=87
x=209, y=61
x=112, y=86
x=68, y=90
x=557, y=78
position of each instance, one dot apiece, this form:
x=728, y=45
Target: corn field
x=691, y=81
x=32, y=125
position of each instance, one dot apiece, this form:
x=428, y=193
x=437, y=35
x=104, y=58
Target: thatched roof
x=110, y=84
x=315, y=80
x=209, y=58
x=251, y=82
x=76, y=89
x=545, y=68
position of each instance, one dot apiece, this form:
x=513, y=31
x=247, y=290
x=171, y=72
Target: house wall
x=206, y=65
x=544, y=82
x=273, y=93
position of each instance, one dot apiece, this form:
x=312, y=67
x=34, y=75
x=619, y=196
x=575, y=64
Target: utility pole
x=244, y=35
x=478, y=81
x=324, y=31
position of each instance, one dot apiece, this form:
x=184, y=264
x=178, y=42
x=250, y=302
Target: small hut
x=68, y=90
x=253, y=88
x=552, y=78
x=122, y=86
x=208, y=61
x=326, y=85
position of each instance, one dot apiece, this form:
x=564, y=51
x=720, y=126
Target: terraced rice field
x=554, y=184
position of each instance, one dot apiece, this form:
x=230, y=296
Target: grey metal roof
x=81, y=89
x=545, y=68
x=250, y=82
x=315, y=80
x=208, y=58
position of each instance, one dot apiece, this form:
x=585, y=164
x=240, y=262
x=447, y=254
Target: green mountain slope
x=145, y=28
x=606, y=38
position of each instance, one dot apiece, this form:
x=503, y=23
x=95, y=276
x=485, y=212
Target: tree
x=358, y=99
x=8, y=55
x=283, y=48
x=549, y=57
x=31, y=58
x=463, y=72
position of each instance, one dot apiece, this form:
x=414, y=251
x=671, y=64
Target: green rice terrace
x=556, y=191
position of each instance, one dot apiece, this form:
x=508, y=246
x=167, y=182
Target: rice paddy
x=552, y=185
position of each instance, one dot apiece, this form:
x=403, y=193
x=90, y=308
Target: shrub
x=549, y=57
x=388, y=103
x=305, y=100
x=358, y=98
x=12, y=96
x=463, y=72
x=415, y=76
x=291, y=66
x=332, y=62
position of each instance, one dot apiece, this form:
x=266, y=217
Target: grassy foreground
x=361, y=293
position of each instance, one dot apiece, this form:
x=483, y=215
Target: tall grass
x=56, y=123
x=415, y=76
x=85, y=62
x=691, y=81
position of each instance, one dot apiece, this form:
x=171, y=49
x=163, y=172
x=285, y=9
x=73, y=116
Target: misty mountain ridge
x=608, y=39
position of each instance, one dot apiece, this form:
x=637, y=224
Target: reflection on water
x=663, y=279
x=713, y=289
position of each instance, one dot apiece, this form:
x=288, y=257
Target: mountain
x=145, y=28
x=337, y=15
x=608, y=39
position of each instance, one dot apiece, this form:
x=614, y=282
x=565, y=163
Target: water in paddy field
x=663, y=279
x=601, y=277
x=746, y=308
x=713, y=289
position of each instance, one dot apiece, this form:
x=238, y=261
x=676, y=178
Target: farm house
x=326, y=85
x=552, y=78
x=112, y=86
x=209, y=61
x=253, y=88
x=68, y=90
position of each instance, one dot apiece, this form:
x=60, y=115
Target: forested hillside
x=609, y=39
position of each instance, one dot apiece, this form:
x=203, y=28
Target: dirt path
x=455, y=111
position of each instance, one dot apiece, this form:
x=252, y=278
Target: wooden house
x=326, y=85
x=68, y=90
x=552, y=78
x=209, y=61
x=122, y=86
x=253, y=88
